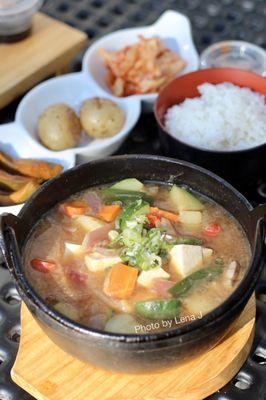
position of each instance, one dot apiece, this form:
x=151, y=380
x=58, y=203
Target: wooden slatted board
x=49, y=48
x=46, y=372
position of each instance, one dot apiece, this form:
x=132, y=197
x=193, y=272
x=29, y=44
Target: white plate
x=172, y=27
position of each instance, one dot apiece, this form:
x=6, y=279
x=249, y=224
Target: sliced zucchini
x=128, y=184
x=67, y=310
x=122, y=323
x=184, y=200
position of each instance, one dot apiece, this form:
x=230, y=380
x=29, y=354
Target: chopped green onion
x=188, y=240
x=219, y=261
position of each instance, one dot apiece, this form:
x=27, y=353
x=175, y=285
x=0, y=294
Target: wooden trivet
x=48, y=373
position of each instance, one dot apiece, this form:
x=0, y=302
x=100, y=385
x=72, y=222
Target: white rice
x=225, y=117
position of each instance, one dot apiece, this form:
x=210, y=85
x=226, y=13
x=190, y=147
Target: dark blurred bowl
x=241, y=167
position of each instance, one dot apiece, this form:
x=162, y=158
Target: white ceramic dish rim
x=13, y=139
x=163, y=19
x=132, y=112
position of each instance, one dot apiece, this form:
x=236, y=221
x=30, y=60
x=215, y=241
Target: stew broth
x=136, y=258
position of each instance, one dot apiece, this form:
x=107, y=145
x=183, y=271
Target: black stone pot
x=147, y=352
x=241, y=168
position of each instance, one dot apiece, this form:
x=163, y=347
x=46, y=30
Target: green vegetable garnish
x=188, y=240
x=133, y=213
x=145, y=253
x=125, y=196
x=157, y=309
x=187, y=283
x=140, y=247
x=219, y=261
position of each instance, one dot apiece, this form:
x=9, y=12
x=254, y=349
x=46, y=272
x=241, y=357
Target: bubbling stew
x=136, y=258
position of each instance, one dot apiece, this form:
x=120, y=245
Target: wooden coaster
x=47, y=373
x=49, y=48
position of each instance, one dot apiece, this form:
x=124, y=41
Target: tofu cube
x=186, y=259
x=96, y=262
x=146, y=278
x=207, y=254
x=88, y=223
x=73, y=249
x=190, y=217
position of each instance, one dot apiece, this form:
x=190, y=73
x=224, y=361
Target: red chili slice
x=153, y=219
x=212, y=230
x=42, y=266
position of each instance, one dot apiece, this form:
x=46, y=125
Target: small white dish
x=172, y=27
x=14, y=142
x=73, y=89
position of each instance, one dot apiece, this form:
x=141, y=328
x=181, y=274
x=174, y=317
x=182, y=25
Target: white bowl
x=73, y=89
x=15, y=142
x=172, y=27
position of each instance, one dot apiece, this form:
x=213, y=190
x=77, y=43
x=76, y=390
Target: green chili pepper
x=156, y=309
x=187, y=283
x=188, y=240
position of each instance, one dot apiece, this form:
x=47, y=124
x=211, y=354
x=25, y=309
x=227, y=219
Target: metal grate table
x=212, y=20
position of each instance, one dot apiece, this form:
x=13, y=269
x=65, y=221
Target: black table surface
x=212, y=21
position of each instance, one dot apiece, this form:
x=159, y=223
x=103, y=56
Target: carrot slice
x=153, y=219
x=120, y=281
x=73, y=208
x=164, y=214
x=42, y=266
x=109, y=213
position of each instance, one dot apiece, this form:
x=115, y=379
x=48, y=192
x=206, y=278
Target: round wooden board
x=47, y=373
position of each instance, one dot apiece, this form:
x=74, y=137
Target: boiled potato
x=59, y=127
x=101, y=118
